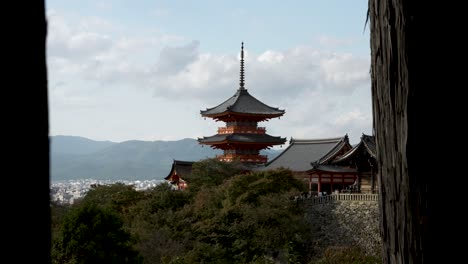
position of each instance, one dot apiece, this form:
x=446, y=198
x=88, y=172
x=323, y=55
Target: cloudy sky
x=123, y=70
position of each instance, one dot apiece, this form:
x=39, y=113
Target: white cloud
x=172, y=60
x=270, y=56
x=79, y=42
x=332, y=42
x=345, y=71
x=325, y=94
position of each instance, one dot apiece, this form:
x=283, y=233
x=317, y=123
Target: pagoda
x=241, y=138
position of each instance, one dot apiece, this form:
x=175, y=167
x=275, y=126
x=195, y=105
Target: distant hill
x=81, y=158
x=77, y=145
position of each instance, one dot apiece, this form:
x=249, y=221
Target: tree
x=248, y=218
x=407, y=60
x=117, y=196
x=212, y=172
x=92, y=234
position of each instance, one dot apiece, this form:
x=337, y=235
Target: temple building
x=362, y=157
x=180, y=170
x=311, y=160
x=241, y=138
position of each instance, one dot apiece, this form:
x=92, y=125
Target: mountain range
x=74, y=158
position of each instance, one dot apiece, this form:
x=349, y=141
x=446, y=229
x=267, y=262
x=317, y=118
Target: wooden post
x=319, y=188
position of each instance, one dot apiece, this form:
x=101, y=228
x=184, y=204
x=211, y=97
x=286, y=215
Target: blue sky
x=124, y=70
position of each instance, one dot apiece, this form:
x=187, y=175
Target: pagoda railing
x=243, y=158
x=241, y=129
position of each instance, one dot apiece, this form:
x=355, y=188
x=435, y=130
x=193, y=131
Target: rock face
x=344, y=223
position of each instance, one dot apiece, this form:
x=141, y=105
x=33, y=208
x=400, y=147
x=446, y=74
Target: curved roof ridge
x=333, y=151
x=244, y=91
x=243, y=102
x=317, y=140
x=349, y=153
x=369, y=143
x=183, y=162
x=177, y=163
x=300, y=153
x=235, y=96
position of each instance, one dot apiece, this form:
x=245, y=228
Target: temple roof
x=367, y=144
x=242, y=138
x=242, y=102
x=300, y=153
x=182, y=168
x=333, y=168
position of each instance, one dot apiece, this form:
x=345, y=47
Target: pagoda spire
x=242, y=68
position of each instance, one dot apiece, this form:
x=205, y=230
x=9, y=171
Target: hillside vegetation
x=225, y=216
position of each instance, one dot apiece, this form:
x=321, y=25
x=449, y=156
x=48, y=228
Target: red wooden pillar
x=331, y=183
x=310, y=184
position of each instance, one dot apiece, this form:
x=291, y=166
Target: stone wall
x=344, y=223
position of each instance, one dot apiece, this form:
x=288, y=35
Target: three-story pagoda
x=241, y=138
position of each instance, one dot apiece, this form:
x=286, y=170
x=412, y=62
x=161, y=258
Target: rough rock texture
x=345, y=223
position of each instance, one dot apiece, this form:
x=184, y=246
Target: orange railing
x=243, y=158
x=240, y=129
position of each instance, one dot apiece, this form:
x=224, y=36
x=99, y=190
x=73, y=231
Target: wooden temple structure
x=311, y=161
x=330, y=165
x=241, y=138
x=180, y=171
x=362, y=157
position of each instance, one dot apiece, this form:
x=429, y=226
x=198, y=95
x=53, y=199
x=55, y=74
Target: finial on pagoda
x=242, y=68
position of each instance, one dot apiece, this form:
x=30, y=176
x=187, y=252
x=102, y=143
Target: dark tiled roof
x=367, y=144
x=332, y=154
x=242, y=138
x=333, y=168
x=299, y=155
x=243, y=103
x=183, y=169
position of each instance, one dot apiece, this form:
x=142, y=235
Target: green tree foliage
x=155, y=222
x=163, y=198
x=58, y=213
x=248, y=219
x=92, y=234
x=117, y=196
x=212, y=172
x=248, y=188
x=227, y=216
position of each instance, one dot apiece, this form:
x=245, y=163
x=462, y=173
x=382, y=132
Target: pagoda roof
x=366, y=144
x=181, y=168
x=242, y=138
x=242, y=103
x=301, y=153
